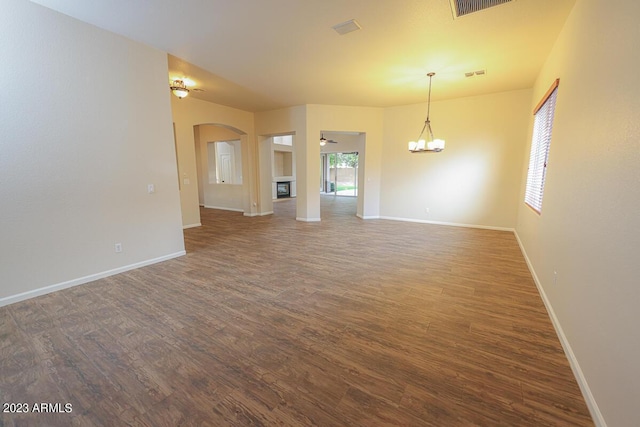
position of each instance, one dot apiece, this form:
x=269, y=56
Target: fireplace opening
x=283, y=189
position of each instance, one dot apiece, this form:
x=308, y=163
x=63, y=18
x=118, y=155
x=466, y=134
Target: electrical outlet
x=151, y=188
x=426, y=210
x=118, y=247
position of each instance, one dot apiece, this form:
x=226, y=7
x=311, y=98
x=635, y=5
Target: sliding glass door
x=339, y=174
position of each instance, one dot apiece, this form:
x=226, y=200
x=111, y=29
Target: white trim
x=224, y=209
x=184, y=227
x=258, y=213
x=573, y=362
x=368, y=217
x=307, y=219
x=82, y=280
x=452, y=224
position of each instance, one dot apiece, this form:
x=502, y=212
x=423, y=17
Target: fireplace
x=283, y=189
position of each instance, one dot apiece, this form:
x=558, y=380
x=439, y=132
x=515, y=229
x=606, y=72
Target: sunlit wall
x=476, y=179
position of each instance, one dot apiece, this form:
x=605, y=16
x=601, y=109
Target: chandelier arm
x=430, y=130
x=426, y=123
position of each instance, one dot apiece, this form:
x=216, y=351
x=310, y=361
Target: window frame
x=540, y=146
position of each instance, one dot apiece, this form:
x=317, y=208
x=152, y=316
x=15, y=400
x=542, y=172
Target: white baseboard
x=184, y=227
x=308, y=219
x=82, y=280
x=598, y=419
x=451, y=224
x=368, y=217
x=224, y=208
x=259, y=214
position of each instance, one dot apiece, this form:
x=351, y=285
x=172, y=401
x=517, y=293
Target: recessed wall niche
x=282, y=163
x=283, y=167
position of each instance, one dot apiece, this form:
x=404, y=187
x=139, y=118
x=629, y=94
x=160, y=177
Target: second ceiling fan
x=323, y=140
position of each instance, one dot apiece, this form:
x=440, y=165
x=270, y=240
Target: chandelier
x=432, y=144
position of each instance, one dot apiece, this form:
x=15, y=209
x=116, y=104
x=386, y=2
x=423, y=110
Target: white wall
x=189, y=112
x=86, y=126
x=476, y=179
x=588, y=231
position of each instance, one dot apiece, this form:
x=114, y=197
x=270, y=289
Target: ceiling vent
x=465, y=7
x=346, y=27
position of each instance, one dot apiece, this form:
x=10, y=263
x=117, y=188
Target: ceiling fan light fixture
x=323, y=140
x=179, y=88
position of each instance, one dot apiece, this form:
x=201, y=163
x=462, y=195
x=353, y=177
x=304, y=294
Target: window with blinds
x=542, y=126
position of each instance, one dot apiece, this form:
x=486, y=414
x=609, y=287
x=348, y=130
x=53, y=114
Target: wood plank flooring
x=271, y=321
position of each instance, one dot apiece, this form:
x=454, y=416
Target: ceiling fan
x=323, y=140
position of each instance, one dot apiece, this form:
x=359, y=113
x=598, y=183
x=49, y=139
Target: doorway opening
x=219, y=167
x=224, y=162
x=339, y=174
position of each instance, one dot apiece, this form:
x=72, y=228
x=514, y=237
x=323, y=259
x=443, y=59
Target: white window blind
x=543, y=124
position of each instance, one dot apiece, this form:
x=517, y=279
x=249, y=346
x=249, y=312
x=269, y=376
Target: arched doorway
x=221, y=167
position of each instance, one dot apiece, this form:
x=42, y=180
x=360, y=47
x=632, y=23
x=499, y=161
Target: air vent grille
x=346, y=27
x=465, y=7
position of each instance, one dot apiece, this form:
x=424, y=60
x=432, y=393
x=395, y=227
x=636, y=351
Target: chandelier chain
x=427, y=123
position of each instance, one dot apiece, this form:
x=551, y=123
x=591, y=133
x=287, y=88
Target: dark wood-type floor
x=271, y=321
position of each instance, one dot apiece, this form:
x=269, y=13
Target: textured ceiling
x=263, y=54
